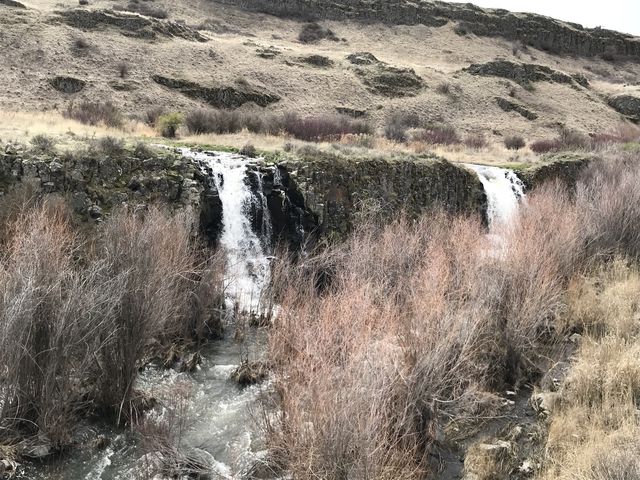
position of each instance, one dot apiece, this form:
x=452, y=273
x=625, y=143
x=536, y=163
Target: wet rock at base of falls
x=627, y=105
x=509, y=106
x=522, y=73
x=67, y=84
x=189, y=363
x=218, y=97
x=291, y=220
x=133, y=25
x=250, y=373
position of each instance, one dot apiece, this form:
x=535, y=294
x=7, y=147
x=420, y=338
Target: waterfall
x=248, y=264
x=504, y=192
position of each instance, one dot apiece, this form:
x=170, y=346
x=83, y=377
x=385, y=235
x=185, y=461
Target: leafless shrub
x=476, y=141
x=152, y=114
x=398, y=123
x=323, y=127
x=438, y=135
x=109, y=146
x=95, y=113
x=122, y=69
x=203, y=120
x=610, y=200
x=514, y=142
x=545, y=146
x=80, y=45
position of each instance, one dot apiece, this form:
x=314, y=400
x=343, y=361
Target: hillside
x=451, y=64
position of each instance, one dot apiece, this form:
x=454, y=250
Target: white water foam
x=504, y=192
x=248, y=266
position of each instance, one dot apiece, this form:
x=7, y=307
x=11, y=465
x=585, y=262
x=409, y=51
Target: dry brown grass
x=593, y=435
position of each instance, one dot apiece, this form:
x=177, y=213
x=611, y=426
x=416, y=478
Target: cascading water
x=248, y=264
x=216, y=416
x=504, y=192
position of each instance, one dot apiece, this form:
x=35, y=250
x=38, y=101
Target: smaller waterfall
x=248, y=269
x=504, y=192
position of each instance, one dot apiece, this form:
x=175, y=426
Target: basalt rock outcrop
x=95, y=183
x=338, y=190
x=509, y=106
x=522, y=73
x=12, y=3
x=530, y=29
x=627, y=105
x=129, y=24
x=218, y=96
x=67, y=84
x=565, y=168
x=383, y=79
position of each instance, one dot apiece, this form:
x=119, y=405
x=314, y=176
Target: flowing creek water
x=218, y=423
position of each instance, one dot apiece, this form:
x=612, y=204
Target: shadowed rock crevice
x=218, y=97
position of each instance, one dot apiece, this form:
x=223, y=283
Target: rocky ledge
x=531, y=29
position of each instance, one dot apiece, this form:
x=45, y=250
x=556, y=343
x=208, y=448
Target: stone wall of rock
x=339, y=190
x=95, y=182
x=537, y=30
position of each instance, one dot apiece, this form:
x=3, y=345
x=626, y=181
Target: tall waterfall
x=248, y=264
x=504, y=192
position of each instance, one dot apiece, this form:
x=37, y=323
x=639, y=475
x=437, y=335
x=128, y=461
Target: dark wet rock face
x=129, y=24
x=509, y=106
x=67, y=84
x=522, y=73
x=338, y=191
x=292, y=222
x=627, y=105
x=210, y=208
x=531, y=29
x=218, y=97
